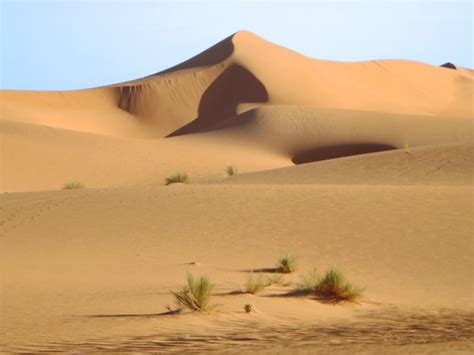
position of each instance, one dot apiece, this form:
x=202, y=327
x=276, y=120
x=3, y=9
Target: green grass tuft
x=255, y=284
x=308, y=282
x=195, y=295
x=331, y=287
x=182, y=178
x=286, y=264
x=73, y=185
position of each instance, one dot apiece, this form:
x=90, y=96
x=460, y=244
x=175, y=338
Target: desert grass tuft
x=286, y=264
x=333, y=286
x=308, y=282
x=276, y=279
x=255, y=284
x=181, y=178
x=195, y=295
x=73, y=185
x=231, y=170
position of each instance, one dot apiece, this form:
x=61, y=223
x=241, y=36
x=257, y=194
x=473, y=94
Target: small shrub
x=231, y=170
x=255, y=284
x=195, y=295
x=177, y=178
x=249, y=308
x=73, y=185
x=286, y=264
x=333, y=286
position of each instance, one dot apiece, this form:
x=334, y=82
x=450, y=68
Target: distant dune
x=448, y=165
x=246, y=91
x=367, y=166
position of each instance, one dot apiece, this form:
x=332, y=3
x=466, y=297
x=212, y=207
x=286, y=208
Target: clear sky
x=67, y=44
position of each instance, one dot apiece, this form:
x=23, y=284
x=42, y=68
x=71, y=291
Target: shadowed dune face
x=337, y=151
x=448, y=65
x=236, y=85
x=127, y=98
x=440, y=164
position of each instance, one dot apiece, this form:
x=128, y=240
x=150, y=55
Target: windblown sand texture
x=366, y=166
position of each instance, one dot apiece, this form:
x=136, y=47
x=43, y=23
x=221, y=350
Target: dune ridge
x=241, y=70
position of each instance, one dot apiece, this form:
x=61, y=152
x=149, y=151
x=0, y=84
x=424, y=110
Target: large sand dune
x=245, y=69
x=366, y=166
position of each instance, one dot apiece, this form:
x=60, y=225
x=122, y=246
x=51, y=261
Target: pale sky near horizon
x=69, y=44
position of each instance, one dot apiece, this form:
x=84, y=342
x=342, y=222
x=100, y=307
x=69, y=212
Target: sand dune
x=366, y=166
x=210, y=87
x=297, y=131
x=290, y=109
x=259, y=139
x=44, y=158
x=430, y=165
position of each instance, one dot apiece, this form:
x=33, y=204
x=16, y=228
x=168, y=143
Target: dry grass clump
x=333, y=286
x=195, y=295
x=308, y=282
x=73, y=185
x=231, y=170
x=255, y=284
x=286, y=264
x=181, y=178
x=275, y=280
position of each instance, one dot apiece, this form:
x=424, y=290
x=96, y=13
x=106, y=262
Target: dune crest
x=243, y=69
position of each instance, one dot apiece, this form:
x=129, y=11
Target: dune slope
x=429, y=165
x=238, y=72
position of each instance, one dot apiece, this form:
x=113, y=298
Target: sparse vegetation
x=181, y=178
x=286, y=264
x=255, y=284
x=231, y=170
x=73, y=185
x=333, y=286
x=249, y=308
x=195, y=295
x=276, y=279
x=308, y=282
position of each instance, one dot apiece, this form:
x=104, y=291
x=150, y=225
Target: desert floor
x=93, y=269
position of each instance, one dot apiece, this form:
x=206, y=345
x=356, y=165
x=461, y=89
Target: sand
x=363, y=166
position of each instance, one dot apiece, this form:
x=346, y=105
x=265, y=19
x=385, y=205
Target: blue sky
x=67, y=44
